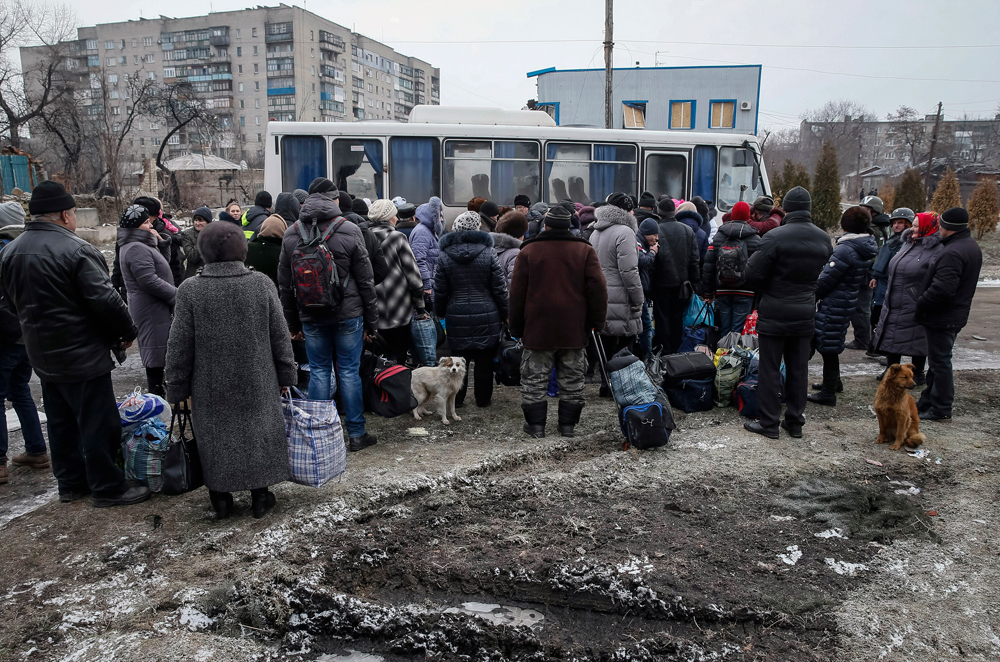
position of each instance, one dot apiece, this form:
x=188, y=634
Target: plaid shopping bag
x=316, y=451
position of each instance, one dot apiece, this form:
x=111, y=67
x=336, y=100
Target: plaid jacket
x=402, y=290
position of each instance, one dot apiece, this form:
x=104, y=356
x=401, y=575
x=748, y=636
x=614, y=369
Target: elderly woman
x=143, y=256
x=241, y=436
x=189, y=241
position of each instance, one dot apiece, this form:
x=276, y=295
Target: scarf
x=927, y=223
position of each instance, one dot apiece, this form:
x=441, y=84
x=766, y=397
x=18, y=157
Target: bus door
x=359, y=166
x=665, y=171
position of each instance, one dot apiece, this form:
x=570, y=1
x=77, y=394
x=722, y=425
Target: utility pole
x=609, y=121
x=930, y=157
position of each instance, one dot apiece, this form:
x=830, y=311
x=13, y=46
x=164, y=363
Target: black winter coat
x=647, y=262
x=838, y=288
x=730, y=233
x=10, y=326
x=784, y=270
x=693, y=220
x=951, y=283
x=677, y=258
x=406, y=227
x=58, y=286
x=469, y=290
x=379, y=267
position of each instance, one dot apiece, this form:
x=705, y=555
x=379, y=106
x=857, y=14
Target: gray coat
x=898, y=331
x=507, y=248
x=614, y=241
x=151, y=292
x=233, y=385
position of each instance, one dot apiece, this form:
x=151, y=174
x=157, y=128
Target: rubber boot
x=262, y=500
x=222, y=503
x=569, y=416
x=534, y=418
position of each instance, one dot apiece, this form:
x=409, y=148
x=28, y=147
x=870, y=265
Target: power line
x=694, y=43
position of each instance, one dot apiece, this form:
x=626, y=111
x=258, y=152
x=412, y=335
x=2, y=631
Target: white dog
x=444, y=382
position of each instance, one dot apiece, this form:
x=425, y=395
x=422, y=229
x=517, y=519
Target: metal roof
x=199, y=162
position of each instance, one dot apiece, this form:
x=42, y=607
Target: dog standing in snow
x=444, y=382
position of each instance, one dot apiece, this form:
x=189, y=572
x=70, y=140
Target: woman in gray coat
x=234, y=386
x=145, y=269
x=898, y=333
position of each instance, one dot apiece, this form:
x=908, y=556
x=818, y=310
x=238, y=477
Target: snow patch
x=793, y=555
x=845, y=568
x=831, y=533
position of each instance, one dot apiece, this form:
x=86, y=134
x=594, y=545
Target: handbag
x=701, y=331
x=507, y=364
x=181, y=471
x=424, y=334
x=316, y=450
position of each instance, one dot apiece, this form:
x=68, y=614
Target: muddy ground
x=478, y=543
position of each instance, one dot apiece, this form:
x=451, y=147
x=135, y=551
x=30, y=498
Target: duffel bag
x=507, y=364
x=746, y=397
x=390, y=389
x=690, y=365
x=630, y=385
x=693, y=394
x=648, y=425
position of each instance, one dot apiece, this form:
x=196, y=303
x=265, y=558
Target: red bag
x=750, y=327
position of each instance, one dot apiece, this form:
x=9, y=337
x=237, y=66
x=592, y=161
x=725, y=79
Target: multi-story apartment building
x=248, y=66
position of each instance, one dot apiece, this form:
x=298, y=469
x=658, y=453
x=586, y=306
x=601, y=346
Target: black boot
x=824, y=397
x=818, y=386
x=534, y=418
x=569, y=416
x=262, y=500
x=222, y=503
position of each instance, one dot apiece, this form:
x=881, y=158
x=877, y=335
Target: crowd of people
x=232, y=311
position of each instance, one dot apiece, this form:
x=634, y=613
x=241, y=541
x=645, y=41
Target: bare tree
x=27, y=90
x=845, y=124
x=116, y=121
x=909, y=129
x=69, y=134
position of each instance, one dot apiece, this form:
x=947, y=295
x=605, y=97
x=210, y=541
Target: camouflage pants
x=536, y=369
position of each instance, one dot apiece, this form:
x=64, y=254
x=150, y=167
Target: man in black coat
x=254, y=217
x=785, y=270
x=676, y=271
x=943, y=309
x=59, y=288
x=380, y=268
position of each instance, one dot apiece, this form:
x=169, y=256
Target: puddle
x=499, y=614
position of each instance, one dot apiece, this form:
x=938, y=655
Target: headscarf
x=273, y=226
x=133, y=217
x=927, y=223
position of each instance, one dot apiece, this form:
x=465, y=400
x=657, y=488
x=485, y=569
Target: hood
x=465, y=246
x=881, y=219
x=254, y=212
x=429, y=215
x=224, y=216
x=11, y=232
x=540, y=207
x=320, y=207
x=502, y=241
x=864, y=244
x=135, y=235
x=692, y=219
x=737, y=230
x=287, y=206
x=609, y=215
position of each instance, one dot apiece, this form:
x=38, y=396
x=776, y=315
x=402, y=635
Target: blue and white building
x=704, y=99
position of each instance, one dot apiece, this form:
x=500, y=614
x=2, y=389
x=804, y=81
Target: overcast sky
x=938, y=50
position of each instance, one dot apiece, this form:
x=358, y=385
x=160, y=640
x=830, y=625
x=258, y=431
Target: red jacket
x=768, y=223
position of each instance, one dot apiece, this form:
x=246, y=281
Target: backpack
x=731, y=263
x=647, y=425
x=315, y=277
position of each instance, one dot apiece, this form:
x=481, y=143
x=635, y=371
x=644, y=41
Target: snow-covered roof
x=199, y=162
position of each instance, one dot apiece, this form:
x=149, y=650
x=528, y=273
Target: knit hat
x=152, y=205
x=48, y=197
x=955, y=219
x=763, y=204
x=467, y=220
x=927, y=223
x=263, y=200
x=522, y=201
x=133, y=217
x=856, y=219
x=405, y=210
x=11, y=213
x=203, y=212
x=798, y=199
x=701, y=206
x=740, y=212
x=558, y=218
x=665, y=206
x=359, y=207
x=687, y=206
x=649, y=226
x=323, y=185
x=489, y=209
x=346, y=201
x=222, y=242
x=300, y=195
x=273, y=226
x=621, y=201
x=381, y=210
x=647, y=200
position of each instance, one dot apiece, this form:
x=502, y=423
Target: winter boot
x=40, y=461
x=534, y=418
x=222, y=503
x=824, y=397
x=818, y=386
x=569, y=416
x=262, y=500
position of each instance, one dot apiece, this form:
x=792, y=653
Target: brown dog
x=898, y=419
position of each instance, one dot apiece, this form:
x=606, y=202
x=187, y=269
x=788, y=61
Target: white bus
x=461, y=153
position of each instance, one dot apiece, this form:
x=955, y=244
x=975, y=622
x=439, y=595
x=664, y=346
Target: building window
x=114, y=94
x=243, y=120
x=113, y=79
x=241, y=87
x=253, y=32
x=135, y=59
x=175, y=139
x=116, y=110
x=239, y=51
x=109, y=45
x=313, y=70
x=634, y=114
x=150, y=75
x=260, y=138
x=135, y=42
x=150, y=58
x=256, y=85
x=238, y=33
x=255, y=50
x=256, y=103
x=169, y=72
x=241, y=103
x=239, y=68
x=723, y=115
x=154, y=126
x=312, y=35
x=123, y=60
x=682, y=114
x=257, y=118
x=312, y=52
x=91, y=44
x=147, y=41
x=256, y=68
x=112, y=61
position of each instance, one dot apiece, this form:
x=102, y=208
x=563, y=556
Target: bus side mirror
x=755, y=175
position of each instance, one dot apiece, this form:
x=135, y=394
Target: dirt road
x=475, y=542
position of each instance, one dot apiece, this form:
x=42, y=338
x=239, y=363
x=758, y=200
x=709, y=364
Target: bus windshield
x=735, y=177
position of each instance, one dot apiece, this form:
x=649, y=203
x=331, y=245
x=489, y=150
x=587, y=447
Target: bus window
x=357, y=165
x=303, y=159
x=496, y=170
x=587, y=173
x=665, y=174
x=415, y=172
x=736, y=177
x=703, y=179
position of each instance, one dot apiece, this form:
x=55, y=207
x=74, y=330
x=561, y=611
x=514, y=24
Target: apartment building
x=249, y=66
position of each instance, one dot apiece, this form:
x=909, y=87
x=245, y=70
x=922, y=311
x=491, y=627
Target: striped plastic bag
x=316, y=451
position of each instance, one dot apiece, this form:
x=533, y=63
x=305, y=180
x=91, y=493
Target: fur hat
x=152, y=205
x=381, y=210
x=798, y=199
x=475, y=204
x=273, y=226
x=558, y=218
x=649, y=226
x=621, y=201
x=522, y=201
x=323, y=185
x=11, y=213
x=686, y=206
x=467, y=220
x=359, y=207
x=700, y=205
x=489, y=209
x=856, y=220
x=955, y=219
x=740, y=212
x=263, y=200
x=513, y=223
x=665, y=206
x=133, y=217
x=222, y=242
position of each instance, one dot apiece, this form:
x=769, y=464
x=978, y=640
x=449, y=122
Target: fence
x=16, y=172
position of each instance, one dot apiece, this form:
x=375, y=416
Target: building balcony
x=279, y=37
x=219, y=40
x=330, y=41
